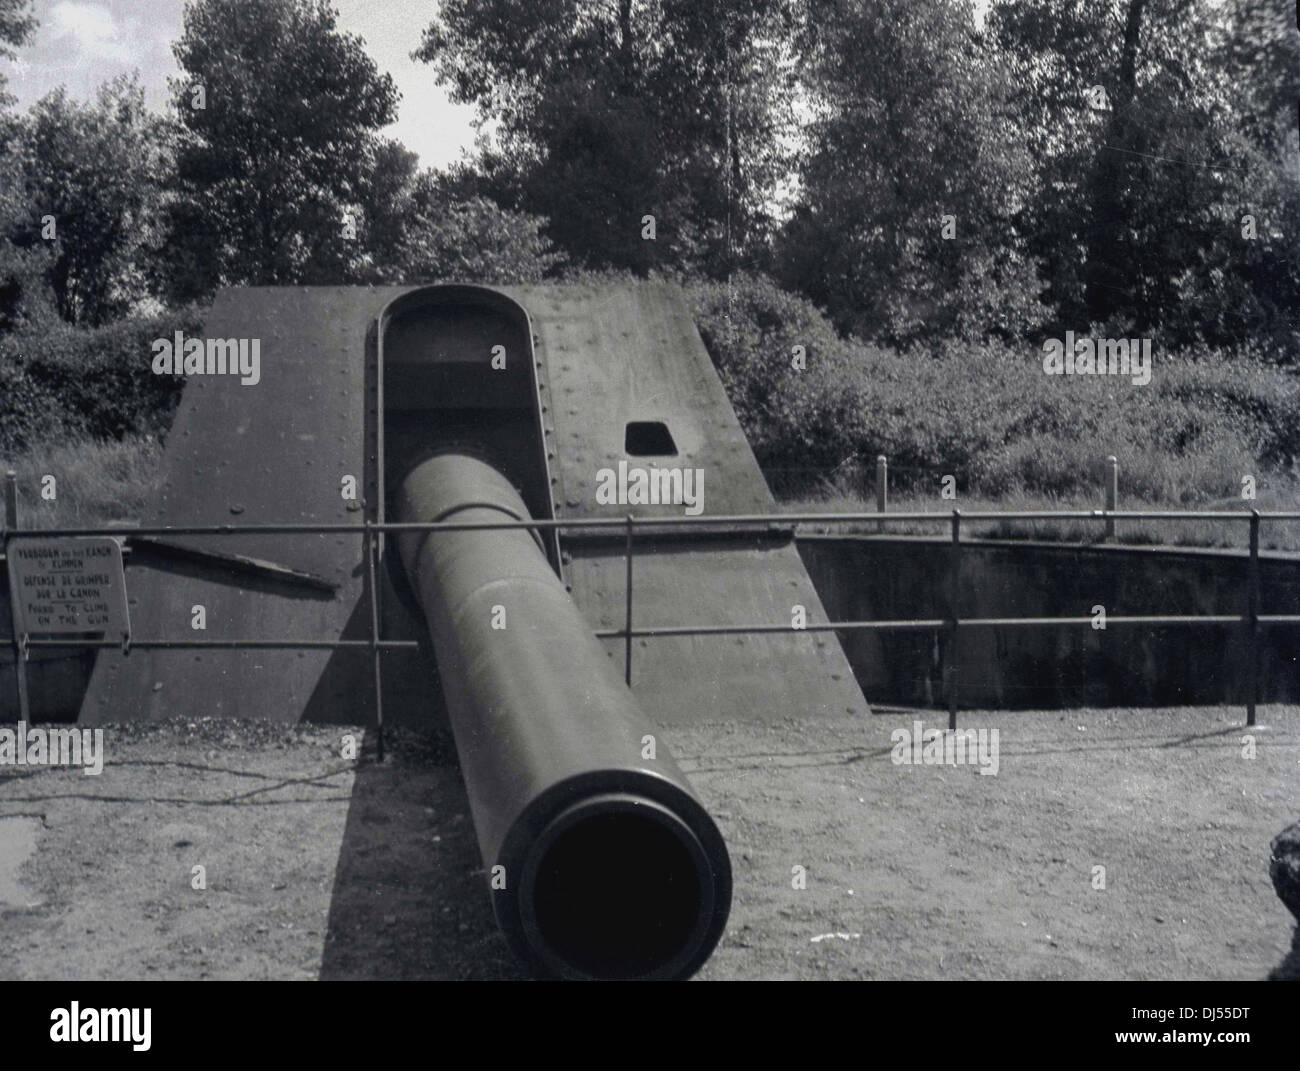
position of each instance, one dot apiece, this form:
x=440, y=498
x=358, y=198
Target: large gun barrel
x=601, y=860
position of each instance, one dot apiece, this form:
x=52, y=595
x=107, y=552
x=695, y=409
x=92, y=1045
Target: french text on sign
x=65, y=586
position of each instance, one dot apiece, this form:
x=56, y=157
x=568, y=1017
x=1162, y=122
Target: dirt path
x=317, y=866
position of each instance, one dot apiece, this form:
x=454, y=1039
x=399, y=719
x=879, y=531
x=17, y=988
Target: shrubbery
x=987, y=413
x=62, y=383
x=984, y=412
x=792, y=418
x=470, y=241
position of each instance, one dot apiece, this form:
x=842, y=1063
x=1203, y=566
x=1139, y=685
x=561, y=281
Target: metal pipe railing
x=740, y=520
x=1252, y=620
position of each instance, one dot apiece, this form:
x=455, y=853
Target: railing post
x=20, y=656
x=627, y=645
x=950, y=659
x=371, y=543
x=882, y=488
x=1252, y=622
x=1112, y=493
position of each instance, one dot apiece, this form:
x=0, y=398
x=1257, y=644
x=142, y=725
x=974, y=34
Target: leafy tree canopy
x=278, y=112
x=607, y=112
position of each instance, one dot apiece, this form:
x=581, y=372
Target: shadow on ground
x=410, y=896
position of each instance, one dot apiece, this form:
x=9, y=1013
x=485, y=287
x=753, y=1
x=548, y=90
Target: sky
x=83, y=43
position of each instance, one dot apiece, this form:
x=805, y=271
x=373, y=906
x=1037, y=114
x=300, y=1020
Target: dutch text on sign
x=66, y=586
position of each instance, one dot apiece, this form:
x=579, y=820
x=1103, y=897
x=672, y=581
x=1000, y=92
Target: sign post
x=10, y=525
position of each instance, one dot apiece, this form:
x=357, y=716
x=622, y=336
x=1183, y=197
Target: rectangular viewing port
x=649, y=438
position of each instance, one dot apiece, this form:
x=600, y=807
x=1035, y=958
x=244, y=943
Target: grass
x=1277, y=535
x=101, y=483
x=95, y=483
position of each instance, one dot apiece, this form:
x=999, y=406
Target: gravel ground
x=317, y=865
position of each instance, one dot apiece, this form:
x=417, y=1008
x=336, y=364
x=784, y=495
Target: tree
x=1144, y=169
x=20, y=269
x=1262, y=57
x=425, y=226
x=911, y=178
x=91, y=192
x=607, y=112
x=24, y=292
x=385, y=210
x=16, y=27
x=278, y=113
x=1262, y=60
x=476, y=241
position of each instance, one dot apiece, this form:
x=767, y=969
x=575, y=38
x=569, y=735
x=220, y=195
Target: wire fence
x=370, y=532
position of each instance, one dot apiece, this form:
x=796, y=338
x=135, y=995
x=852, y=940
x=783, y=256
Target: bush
x=63, y=382
x=793, y=417
x=989, y=415
x=477, y=241
x=986, y=412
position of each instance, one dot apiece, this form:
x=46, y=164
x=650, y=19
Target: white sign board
x=63, y=586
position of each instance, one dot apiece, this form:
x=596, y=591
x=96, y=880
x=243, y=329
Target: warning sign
x=62, y=586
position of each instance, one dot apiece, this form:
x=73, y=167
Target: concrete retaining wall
x=872, y=577
x=869, y=577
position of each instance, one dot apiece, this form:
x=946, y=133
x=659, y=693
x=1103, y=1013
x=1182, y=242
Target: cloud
x=92, y=27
